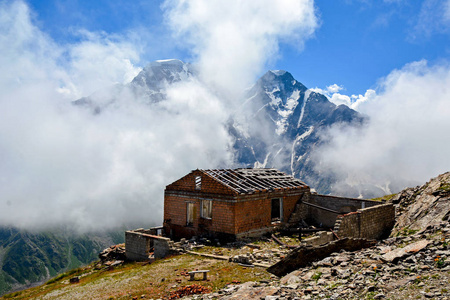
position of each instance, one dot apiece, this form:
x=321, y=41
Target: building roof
x=245, y=181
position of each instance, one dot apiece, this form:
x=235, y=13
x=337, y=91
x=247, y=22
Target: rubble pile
x=261, y=256
x=113, y=255
x=189, y=290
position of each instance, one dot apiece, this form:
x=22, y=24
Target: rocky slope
x=414, y=263
x=424, y=205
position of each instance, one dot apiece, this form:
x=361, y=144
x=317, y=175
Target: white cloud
x=354, y=101
x=434, y=17
x=405, y=141
x=60, y=165
x=99, y=60
x=233, y=40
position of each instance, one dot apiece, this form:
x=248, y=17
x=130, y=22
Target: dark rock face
x=283, y=122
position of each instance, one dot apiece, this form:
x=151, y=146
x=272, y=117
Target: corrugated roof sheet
x=246, y=181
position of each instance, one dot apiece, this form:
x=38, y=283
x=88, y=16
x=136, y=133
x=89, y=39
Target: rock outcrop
x=423, y=206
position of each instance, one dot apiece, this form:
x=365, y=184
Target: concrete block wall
x=162, y=247
x=139, y=244
x=371, y=223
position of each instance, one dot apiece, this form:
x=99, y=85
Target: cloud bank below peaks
x=62, y=165
x=405, y=141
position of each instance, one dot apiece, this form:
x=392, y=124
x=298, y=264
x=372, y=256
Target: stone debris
x=112, y=255
x=260, y=256
x=189, y=290
x=423, y=273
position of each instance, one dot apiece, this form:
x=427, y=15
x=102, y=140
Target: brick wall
x=175, y=216
x=254, y=211
x=208, y=184
x=232, y=213
x=371, y=223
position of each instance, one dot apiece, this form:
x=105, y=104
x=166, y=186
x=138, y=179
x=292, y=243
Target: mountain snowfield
x=278, y=122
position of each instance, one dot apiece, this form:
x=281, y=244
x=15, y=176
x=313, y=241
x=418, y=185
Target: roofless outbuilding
x=233, y=204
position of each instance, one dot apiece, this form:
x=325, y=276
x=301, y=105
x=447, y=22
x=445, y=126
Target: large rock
x=423, y=206
x=395, y=255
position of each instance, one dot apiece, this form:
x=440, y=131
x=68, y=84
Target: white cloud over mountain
x=405, y=141
x=61, y=165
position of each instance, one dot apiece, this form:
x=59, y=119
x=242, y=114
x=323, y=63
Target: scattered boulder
x=395, y=255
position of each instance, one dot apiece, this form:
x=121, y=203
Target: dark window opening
x=277, y=210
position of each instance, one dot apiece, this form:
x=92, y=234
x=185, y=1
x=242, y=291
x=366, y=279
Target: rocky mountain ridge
x=278, y=124
x=30, y=258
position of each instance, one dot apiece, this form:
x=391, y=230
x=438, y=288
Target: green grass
x=73, y=272
x=384, y=198
x=155, y=280
x=445, y=186
x=316, y=276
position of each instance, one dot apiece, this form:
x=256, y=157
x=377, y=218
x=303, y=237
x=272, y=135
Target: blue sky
x=356, y=43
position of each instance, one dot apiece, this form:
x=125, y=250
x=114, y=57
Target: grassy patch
x=384, y=198
x=73, y=272
x=154, y=280
x=445, y=186
x=316, y=276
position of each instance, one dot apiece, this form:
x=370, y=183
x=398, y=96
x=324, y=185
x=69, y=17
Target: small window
x=189, y=214
x=207, y=209
x=198, y=182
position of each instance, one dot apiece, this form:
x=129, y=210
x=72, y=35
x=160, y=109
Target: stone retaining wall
x=369, y=223
x=340, y=204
